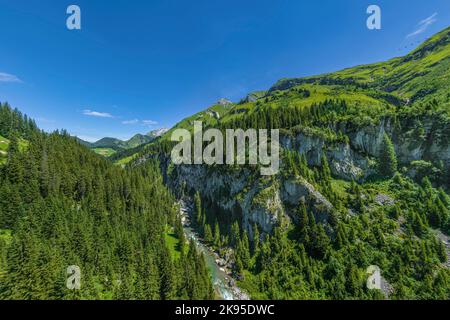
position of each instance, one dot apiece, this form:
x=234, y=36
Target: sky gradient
x=137, y=67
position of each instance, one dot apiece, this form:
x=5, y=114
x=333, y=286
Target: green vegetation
x=315, y=259
x=108, y=147
x=124, y=161
x=4, y=143
x=388, y=159
x=13, y=124
x=62, y=205
x=105, y=152
x=5, y=240
x=387, y=218
x=173, y=243
x=359, y=96
x=419, y=76
x=209, y=117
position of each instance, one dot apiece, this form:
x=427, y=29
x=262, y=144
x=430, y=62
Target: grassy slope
x=173, y=243
x=425, y=68
x=105, y=152
x=420, y=76
x=373, y=90
x=289, y=98
x=125, y=160
x=206, y=117
x=4, y=143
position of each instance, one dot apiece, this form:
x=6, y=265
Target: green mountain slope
x=107, y=142
x=61, y=205
x=421, y=75
x=364, y=180
x=375, y=89
x=370, y=92
x=4, y=143
x=137, y=140
x=209, y=117
x=109, y=146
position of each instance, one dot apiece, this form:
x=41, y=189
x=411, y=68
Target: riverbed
x=224, y=285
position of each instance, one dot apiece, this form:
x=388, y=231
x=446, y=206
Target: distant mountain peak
x=224, y=102
x=157, y=133
x=119, y=145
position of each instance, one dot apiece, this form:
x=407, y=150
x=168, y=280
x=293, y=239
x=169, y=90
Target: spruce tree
x=256, y=239
x=216, y=234
x=208, y=234
x=198, y=209
x=245, y=250
x=388, y=158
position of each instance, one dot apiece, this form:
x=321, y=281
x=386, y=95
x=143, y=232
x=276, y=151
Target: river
x=224, y=284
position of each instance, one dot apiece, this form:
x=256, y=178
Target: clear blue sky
x=159, y=61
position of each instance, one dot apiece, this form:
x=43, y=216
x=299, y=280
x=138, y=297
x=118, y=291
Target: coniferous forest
x=363, y=183
x=63, y=205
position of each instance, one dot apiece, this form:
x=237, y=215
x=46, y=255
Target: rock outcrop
x=272, y=201
x=414, y=140
x=420, y=138
x=299, y=191
x=268, y=202
x=344, y=161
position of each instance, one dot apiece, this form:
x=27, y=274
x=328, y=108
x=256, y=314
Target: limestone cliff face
x=265, y=201
x=368, y=139
x=344, y=161
x=272, y=201
x=298, y=191
x=424, y=138
x=233, y=191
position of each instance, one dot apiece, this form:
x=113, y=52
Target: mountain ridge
x=120, y=145
x=363, y=181
x=431, y=60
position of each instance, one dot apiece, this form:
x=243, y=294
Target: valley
x=107, y=147
x=221, y=273
x=360, y=152
x=363, y=181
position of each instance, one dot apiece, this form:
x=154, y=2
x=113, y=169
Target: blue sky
x=137, y=66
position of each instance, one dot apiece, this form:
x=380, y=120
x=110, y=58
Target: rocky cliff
x=271, y=201
x=423, y=137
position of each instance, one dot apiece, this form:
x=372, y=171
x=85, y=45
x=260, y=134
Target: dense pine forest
x=390, y=220
x=364, y=181
x=310, y=259
x=63, y=205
